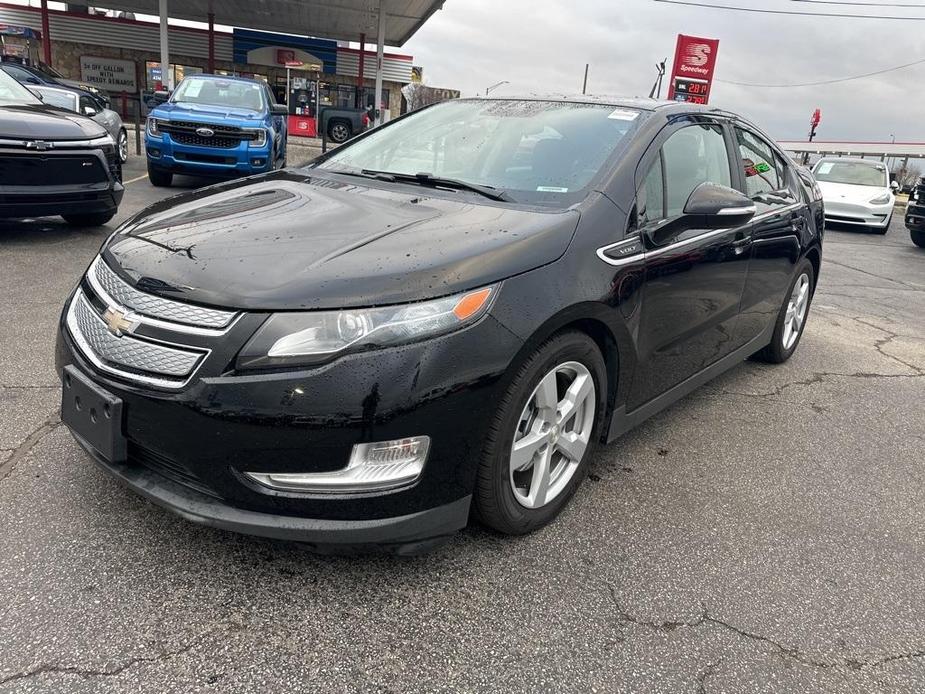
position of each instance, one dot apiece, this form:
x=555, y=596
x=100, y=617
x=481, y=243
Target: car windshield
x=852, y=172
x=12, y=92
x=219, y=92
x=543, y=152
x=58, y=98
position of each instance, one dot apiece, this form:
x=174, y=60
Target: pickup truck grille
x=41, y=170
x=223, y=137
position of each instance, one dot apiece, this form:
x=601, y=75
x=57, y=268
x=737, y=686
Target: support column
x=46, y=34
x=211, y=42
x=380, y=44
x=360, y=101
x=166, y=78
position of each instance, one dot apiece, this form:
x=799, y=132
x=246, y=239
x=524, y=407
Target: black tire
x=495, y=504
x=918, y=237
x=159, y=178
x=776, y=352
x=340, y=131
x=96, y=219
x=882, y=231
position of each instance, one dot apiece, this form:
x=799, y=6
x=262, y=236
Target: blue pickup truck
x=214, y=125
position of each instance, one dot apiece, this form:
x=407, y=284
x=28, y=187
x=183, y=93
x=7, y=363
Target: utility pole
x=584, y=87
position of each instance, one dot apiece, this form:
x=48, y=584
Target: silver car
x=90, y=106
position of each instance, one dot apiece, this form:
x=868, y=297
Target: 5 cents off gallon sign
x=108, y=74
x=692, y=74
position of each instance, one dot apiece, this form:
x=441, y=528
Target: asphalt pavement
x=765, y=534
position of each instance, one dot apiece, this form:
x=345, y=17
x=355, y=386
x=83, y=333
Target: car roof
x=635, y=102
x=856, y=160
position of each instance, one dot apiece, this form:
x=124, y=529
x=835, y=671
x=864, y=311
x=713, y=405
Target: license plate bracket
x=94, y=414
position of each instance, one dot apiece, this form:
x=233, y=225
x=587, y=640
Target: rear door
x=693, y=280
x=769, y=179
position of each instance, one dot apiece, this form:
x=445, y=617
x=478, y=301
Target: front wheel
x=918, y=237
x=792, y=317
x=123, y=146
x=159, y=178
x=541, y=437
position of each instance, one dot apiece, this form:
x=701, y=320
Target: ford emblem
x=205, y=132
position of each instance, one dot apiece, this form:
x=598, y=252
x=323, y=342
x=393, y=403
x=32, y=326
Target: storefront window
x=153, y=75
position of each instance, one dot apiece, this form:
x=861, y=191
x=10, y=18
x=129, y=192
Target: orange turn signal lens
x=471, y=303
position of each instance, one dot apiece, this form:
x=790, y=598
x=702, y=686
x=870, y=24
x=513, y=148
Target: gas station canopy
x=340, y=20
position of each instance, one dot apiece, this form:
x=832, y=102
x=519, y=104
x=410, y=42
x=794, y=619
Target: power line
x=832, y=81
x=690, y=3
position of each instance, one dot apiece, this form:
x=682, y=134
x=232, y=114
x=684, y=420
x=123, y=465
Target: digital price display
x=691, y=91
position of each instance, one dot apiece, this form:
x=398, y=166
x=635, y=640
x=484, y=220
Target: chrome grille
x=139, y=360
x=154, y=306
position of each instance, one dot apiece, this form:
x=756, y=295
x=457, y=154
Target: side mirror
x=89, y=111
x=37, y=94
x=894, y=185
x=279, y=109
x=710, y=206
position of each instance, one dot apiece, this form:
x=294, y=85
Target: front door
x=694, y=279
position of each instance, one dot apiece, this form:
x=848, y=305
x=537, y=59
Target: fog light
x=372, y=466
x=258, y=162
x=154, y=152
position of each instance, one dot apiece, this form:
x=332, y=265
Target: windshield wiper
x=427, y=179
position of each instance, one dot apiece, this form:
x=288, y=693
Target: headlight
x=259, y=139
x=104, y=141
x=881, y=199
x=154, y=127
x=312, y=337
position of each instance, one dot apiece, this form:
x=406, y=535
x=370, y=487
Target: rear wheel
x=159, y=178
x=792, y=317
x=918, y=237
x=339, y=131
x=96, y=219
x=540, y=440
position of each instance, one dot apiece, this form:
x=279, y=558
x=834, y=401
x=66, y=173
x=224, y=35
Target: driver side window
x=693, y=155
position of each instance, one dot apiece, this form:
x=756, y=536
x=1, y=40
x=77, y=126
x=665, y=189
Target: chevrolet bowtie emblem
x=39, y=145
x=117, y=323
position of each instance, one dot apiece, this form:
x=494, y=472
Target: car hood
x=292, y=240
x=205, y=112
x=41, y=122
x=846, y=192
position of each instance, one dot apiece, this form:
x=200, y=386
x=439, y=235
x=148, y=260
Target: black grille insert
x=166, y=467
x=54, y=170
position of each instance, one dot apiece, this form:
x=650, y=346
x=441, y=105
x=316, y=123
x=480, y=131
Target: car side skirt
x=622, y=421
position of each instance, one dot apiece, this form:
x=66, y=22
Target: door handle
x=739, y=246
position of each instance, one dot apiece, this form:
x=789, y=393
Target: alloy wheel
x=796, y=311
x=339, y=132
x=553, y=432
x=123, y=147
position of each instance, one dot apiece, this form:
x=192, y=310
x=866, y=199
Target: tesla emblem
x=205, y=132
x=117, y=322
x=39, y=145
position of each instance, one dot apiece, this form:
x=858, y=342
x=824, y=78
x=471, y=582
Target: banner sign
x=108, y=74
x=692, y=74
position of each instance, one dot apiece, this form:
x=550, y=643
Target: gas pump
x=302, y=100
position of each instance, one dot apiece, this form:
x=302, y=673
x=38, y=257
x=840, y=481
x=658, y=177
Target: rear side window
x=763, y=173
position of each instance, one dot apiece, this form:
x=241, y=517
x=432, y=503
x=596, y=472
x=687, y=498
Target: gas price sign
x=692, y=74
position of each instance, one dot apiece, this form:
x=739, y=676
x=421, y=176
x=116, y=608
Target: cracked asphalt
x=764, y=534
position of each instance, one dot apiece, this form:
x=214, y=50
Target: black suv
x=53, y=162
x=915, y=214
x=443, y=316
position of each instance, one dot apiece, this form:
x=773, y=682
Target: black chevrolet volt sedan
x=437, y=321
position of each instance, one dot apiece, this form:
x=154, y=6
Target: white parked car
x=87, y=105
x=856, y=191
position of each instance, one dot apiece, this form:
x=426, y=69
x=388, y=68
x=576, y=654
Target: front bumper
x=242, y=160
x=187, y=449
x=874, y=216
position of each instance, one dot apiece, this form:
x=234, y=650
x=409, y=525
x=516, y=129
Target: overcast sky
x=543, y=45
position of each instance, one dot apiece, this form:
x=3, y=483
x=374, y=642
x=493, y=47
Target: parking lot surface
x=763, y=534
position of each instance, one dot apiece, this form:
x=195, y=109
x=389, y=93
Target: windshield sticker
x=761, y=167
x=193, y=88
x=621, y=114
x=825, y=168
x=550, y=189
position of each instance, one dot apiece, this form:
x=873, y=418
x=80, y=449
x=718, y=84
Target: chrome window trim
x=637, y=257
x=88, y=353
x=108, y=299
